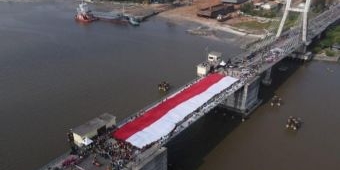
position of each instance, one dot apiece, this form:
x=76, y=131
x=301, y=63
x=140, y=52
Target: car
x=277, y=51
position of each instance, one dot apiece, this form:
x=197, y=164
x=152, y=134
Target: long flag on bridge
x=160, y=120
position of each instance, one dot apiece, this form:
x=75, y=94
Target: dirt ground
x=188, y=13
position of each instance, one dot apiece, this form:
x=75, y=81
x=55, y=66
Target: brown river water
x=56, y=74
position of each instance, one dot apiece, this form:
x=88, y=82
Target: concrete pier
x=155, y=159
x=245, y=100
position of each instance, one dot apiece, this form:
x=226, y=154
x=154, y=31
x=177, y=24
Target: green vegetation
x=248, y=8
x=253, y=25
x=332, y=37
x=317, y=50
x=291, y=20
x=319, y=6
x=329, y=53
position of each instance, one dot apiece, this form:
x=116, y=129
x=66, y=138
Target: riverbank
x=177, y=15
x=180, y=15
x=215, y=30
x=324, y=57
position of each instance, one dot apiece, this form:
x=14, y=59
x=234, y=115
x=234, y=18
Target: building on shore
x=214, y=11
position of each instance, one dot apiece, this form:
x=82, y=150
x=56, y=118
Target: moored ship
x=84, y=14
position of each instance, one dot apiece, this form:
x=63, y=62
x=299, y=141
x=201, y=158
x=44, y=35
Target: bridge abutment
x=245, y=100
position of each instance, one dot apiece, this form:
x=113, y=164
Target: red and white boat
x=84, y=14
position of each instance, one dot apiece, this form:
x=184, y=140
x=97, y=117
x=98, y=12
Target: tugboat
x=164, y=86
x=84, y=14
x=293, y=123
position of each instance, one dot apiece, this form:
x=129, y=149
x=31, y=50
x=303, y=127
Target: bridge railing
x=55, y=161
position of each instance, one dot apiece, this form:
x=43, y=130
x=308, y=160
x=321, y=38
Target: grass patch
x=291, y=21
x=332, y=37
x=254, y=25
x=330, y=53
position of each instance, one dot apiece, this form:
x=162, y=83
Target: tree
x=330, y=53
x=326, y=43
x=317, y=50
x=247, y=8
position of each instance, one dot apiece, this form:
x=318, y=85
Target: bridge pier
x=301, y=53
x=152, y=159
x=245, y=100
x=267, y=80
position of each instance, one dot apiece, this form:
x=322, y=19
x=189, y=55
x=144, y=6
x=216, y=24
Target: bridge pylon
x=303, y=10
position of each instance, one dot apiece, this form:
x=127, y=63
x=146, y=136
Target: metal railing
x=55, y=161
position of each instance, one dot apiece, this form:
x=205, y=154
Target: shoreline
x=208, y=22
x=323, y=57
x=175, y=14
x=163, y=11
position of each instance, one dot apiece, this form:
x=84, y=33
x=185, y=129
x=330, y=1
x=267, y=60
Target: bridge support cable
x=314, y=27
x=284, y=18
x=305, y=11
x=305, y=21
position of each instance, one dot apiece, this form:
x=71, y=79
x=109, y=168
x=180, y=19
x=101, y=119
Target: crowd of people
x=119, y=153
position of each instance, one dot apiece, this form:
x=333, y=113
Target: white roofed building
x=270, y=5
x=92, y=128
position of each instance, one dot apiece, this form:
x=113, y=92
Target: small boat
x=293, y=123
x=163, y=86
x=84, y=14
x=84, y=18
x=133, y=21
x=276, y=101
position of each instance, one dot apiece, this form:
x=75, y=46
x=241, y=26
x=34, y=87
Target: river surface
x=56, y=74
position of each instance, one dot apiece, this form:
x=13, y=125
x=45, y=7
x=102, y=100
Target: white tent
x=87, y=141
x=223, y=63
